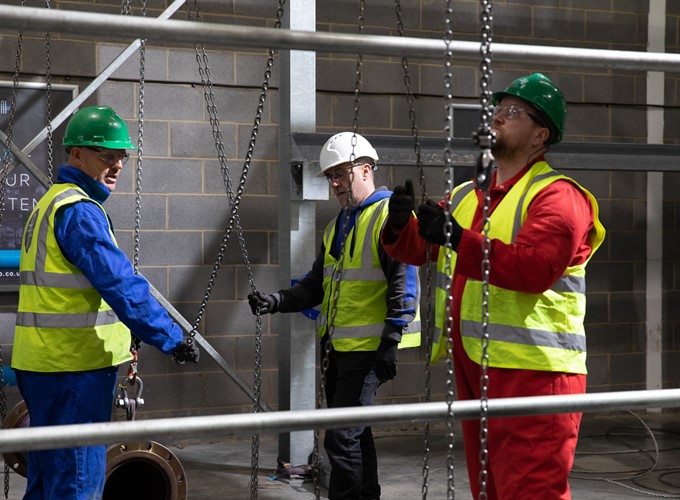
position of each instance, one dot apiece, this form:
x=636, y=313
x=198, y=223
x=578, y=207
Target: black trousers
x=351, y=381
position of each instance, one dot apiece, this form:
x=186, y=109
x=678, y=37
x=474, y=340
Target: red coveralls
x=529, y=457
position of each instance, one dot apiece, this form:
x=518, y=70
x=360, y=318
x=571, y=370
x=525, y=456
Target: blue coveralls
x=82, y=230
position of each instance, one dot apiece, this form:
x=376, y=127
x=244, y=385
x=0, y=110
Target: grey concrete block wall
x=185, y=209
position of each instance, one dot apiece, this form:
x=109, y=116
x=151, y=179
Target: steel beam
x=398, y=151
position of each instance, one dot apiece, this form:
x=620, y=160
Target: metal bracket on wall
x=306, y=184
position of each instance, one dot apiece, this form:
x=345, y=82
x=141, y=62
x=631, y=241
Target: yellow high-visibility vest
x=527, y=331
x=361, y=310
x=63, y=324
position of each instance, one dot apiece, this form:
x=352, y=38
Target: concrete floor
x=612, y=449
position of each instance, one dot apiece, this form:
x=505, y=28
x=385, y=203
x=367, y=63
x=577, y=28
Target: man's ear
x=542, y=136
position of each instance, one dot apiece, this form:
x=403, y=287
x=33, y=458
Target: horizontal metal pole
x=66, y=113
x=36, y=438
x=99, y=26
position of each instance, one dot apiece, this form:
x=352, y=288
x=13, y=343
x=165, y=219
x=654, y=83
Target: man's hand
x=267, y=304
x=385, y=366
x=187, y=352
x=402, y=204
x=431, y=224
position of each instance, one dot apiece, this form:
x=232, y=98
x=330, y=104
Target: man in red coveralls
x=544, y=228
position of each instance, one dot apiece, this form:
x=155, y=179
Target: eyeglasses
x=513, y=112
x=110, y=157
x=339, y=174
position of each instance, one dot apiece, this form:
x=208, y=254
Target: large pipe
x=37, y=438
x=148, y=469
x=99, y=26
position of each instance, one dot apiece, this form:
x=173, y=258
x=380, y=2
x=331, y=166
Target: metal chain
x=140, y=151
x=427, y=324
x=234, y=220
x=48, y=85
x=485, y=139
x=411, y=104
x=448, y=271
x=337, y=271
x=7, y=158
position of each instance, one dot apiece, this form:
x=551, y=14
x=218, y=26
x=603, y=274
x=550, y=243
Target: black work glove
x=402, y=204
x=268, y=304
x=187, y=352
x=385, y=365
x=431, y=224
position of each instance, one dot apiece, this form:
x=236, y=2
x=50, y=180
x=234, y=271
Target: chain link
x=48, y=108
x=427, y=324
x=337, y=271
x=411, y=104
x=486, y=164
x=448, y=271
x=7, y=159
x=140, y=148
x=234, y=219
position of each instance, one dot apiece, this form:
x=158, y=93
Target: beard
x=502, y=150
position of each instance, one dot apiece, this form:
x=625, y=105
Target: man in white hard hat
x=374, y=313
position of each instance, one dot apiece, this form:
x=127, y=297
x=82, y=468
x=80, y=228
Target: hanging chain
x=7, y=158
x=448, y=271
x=411, y=104
x=140, y=149
x=337, y=271
x=234, y=220
x=485, y=139
x=48, y=86
x=428, y=331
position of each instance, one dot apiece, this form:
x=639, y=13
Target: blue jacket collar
x=93, y=188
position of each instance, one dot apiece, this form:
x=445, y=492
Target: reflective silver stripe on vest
x=367, y=331
x=41, y=250
x=82, y=320
x=460, y=194
x=518, y=214
x=573, y=284
x=564, y=284
x=442, y=280
x=366, y=272
x=361, y=274
x=526, y=336
x=54, y=280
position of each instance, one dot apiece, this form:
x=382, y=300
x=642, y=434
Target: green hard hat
x=544, y=95
x=98, y=126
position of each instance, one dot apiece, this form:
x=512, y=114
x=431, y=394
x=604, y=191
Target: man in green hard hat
x=79, y=298
x=543, y=228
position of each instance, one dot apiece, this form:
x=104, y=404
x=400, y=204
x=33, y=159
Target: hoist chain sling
x=234, y=219
x=448, y=271
x=337, y=272
x=485, y=139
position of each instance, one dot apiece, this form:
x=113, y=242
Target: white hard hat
x=338, y=149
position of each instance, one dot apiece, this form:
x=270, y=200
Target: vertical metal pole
x=655, y=125
x=297, y=231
